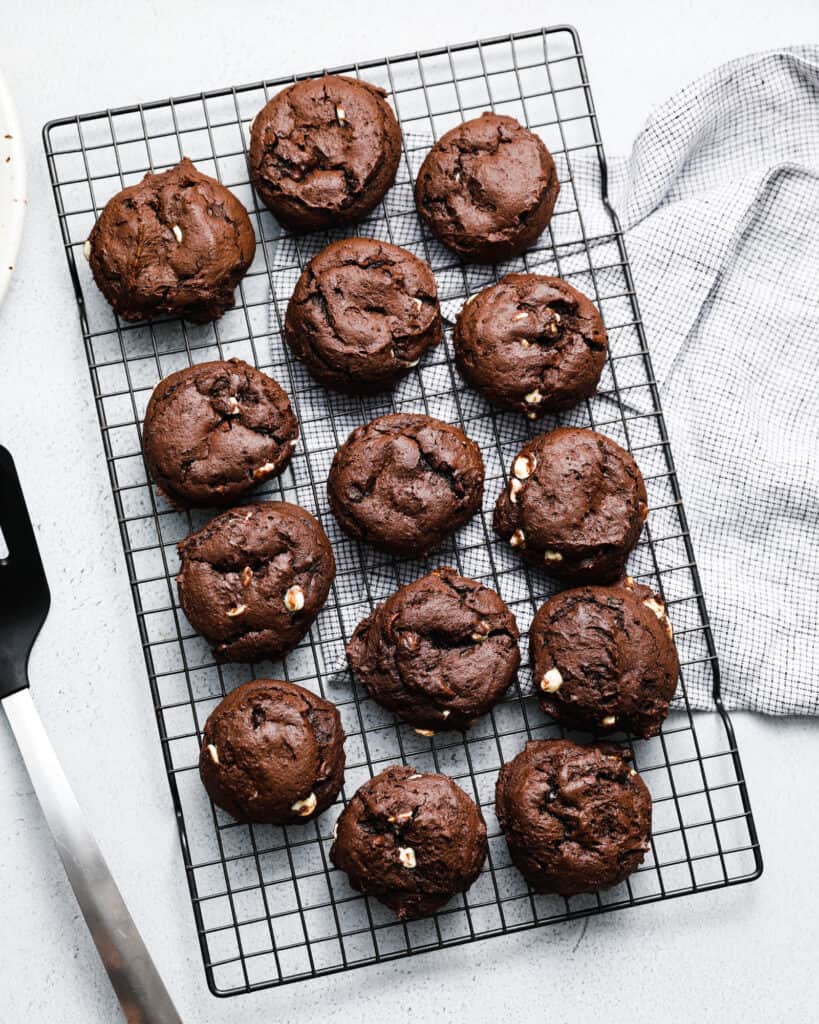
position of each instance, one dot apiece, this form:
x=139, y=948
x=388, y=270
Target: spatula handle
x=139, y=988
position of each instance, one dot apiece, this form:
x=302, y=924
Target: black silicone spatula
x=24, y=604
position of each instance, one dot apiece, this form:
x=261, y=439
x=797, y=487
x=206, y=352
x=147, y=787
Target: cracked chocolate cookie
x=178, y=242
x=214, y=430
x=404, y=482
x=603, y=658
x=531, y=344
x=273, y=752
x=253, y=579
x=575, y=505
x=362, y=314
x=324, y=151
x=576, y=818
x=410, y=839
x=487, y=188
x=439, y=653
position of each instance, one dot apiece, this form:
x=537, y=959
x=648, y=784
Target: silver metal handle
x=139, y=988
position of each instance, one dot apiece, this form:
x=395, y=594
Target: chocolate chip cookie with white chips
x=253, y=579
x=575, y=505
x=175, y=243
x=487, y=188
x=215, y=430
x=411, y=839
x=532, y=344
x=404, y=482
x=576, y=818
x=324, y=151
x=603, y=658
x=362, y=314
x=439, y=653
x=273, y=752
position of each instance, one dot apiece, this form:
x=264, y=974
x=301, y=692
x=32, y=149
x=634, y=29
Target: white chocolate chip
x=533, y=398
x=657, y=606
x=237, y=610
x=399, y=818
x=246, y=576
x=553, y=328
x=445, y=714
x=479, y=637
x=524, y=343
x=470, y=299
x=518, y=539
x=86, y=249
x=305, y=807
x=340, y=114
x=552, y=556
x=524, y=466
x=335, y=830
x=551, y=681
x=418, y=303
x=425, y=732
x=416, y=776
x=294, y=598
x=531, y=415
x=264, y=470
x=514, y=487
x=214, y=753
x=628, y=581
x=406, y=855
x=632, y=773
x=608, y=721
x=233, y=406
x=177, y=233
x=520, y=316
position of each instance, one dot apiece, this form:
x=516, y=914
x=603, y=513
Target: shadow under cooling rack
x=269, y=908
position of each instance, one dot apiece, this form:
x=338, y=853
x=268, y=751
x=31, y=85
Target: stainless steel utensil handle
x=136, y=981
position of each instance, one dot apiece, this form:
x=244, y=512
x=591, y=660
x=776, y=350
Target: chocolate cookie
x=404, y=482
x=253, y=579
x=412, y=840
x=576, y=818
x=362, y=314
x=487, y=188
x=324, y=151
x=575, y=505
x=178, y=242
x=214, y=430
x=532, y=344
x=273, y=752
x=439, y=653
x=604, y=659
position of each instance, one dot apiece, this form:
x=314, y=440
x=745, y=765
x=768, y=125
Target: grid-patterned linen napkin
x=720, y=203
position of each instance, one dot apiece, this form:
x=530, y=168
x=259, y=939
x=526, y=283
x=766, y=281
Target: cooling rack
x=269, y=908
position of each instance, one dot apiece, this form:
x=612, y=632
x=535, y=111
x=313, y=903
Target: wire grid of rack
x=268, y=906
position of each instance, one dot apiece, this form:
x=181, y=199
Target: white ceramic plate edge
x=12, y=187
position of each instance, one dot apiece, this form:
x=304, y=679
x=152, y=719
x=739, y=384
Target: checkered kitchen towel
x=720, y=203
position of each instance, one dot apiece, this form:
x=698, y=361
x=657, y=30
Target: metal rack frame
x=269, y=908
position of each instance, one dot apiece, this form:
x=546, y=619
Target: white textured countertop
x=742, y=954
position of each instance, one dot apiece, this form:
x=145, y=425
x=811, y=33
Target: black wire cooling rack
x=269, y=908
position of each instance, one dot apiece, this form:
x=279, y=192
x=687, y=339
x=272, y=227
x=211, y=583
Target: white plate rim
x=12, y=189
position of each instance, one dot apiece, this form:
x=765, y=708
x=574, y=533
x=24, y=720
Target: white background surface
x=743, y=954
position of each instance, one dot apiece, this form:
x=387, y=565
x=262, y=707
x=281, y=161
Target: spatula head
x=24, y=594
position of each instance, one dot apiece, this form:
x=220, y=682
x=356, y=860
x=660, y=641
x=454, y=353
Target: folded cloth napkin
x=720, y=203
